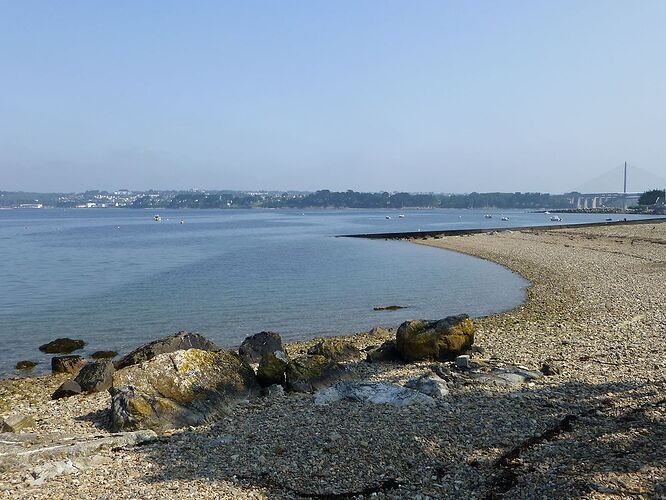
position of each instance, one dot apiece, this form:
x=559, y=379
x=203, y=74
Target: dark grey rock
x=64, y=345
x=255, y=346
x=25, y=364
x=273, y=368
x=104, y=354
x=67, y=364
x=550, y=369
x=96, y=377
x=433, y=387
x=67, y=388
x=385, y=352
x=177, y=342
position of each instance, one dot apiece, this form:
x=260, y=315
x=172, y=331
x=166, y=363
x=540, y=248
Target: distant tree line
x=651, y=197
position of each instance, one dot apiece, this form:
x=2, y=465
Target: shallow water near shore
x=117, y=278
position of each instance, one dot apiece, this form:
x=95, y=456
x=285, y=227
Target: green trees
x=651, y=197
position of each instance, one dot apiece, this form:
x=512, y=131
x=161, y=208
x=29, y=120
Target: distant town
x=652, y=200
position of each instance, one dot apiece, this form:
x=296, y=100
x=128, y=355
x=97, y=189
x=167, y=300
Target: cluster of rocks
x=185, y=379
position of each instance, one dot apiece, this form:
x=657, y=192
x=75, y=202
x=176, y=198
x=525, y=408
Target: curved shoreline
x=594, y=312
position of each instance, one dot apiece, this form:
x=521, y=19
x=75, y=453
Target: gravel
x=594, y=428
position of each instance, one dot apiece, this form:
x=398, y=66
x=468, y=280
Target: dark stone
x=335, y=349
x=67, y=388
x=311, y=372
x=385, y=352
x=26, y=364
x=104, y=354
x=272, y=368
x=67, y=364
x=178, y=342
x=255, y=346
x=64, y=346
x=550, y=369
x=96, y=377
x=388, y=308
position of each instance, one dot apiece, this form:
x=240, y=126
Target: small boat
x=488, y=216
x=608, y=219
x=181, y=221
x=555, y=218
x=505, y=219
x=388, y=217
x=401, y=216
x=547, y=212
x=157, y=218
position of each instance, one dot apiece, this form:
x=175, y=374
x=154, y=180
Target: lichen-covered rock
x=177, y=389
x=445, y=339
x=96, y=377
x=311, y=372
x=172, y=343
x=335, y=349
x=64, y=345
x=273, y=368
x=67, y=388
x=385, y=352
x=255, y=346
x=25, y=364
x=16, y=423
x=67, y=364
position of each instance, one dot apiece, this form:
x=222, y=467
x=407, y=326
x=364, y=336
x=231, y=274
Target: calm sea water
x=116, y=278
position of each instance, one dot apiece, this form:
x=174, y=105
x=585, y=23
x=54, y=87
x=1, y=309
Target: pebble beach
x=594, y=426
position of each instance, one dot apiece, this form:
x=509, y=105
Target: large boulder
x=177, y=342
x=67, y=364
x=441, y=340
x=311, y=372
x=336, y=349
x=16, y=423
x=255, y=346
x=62, y=346
x=187, y=387
x=25, y=364
x=96, y=377
x=273, y=368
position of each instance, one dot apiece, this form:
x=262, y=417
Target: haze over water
x=116, y=278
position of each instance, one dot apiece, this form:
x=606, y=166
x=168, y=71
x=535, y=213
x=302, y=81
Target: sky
x=421, y=96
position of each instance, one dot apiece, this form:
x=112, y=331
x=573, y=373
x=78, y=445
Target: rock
x=388, y=308
x=67, y=364
x=428, y=385
x=507, y=376
x=379, y=331
x=462, y=362
x=67, y=388
x=371, y=392
x=550, y=369
x=335, y=349
x=385, y=352
x=274, y=391
x=311, y=372
x=96, y=377
x=255, y=346
x=16, y=423
x=64, y=345
x=179, y=389
x=272, y=368
x=25, y=364
x=104, y=354
x=445, y=339
x=172, y=343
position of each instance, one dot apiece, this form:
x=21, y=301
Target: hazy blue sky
x=367, y=95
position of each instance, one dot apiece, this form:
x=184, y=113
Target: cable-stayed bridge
x=621, y=186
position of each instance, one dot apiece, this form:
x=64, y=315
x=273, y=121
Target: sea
x=117, y=278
